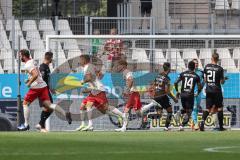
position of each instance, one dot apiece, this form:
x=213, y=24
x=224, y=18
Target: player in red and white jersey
x=133, y=100
x=37, y=89
x=97, y=95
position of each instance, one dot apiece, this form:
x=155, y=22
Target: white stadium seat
x=45, y=25
x=63, y=25
x=37, y=45
x=159, y=57
x=140, y=55
x=189, y=54
x=235, y=4
x=73, y=53
x=205, y=53
x=236, y=53
x=29, y=25
x=221, y=4
x=9, y=25
x=1, y=26
x=223, y=53
x=48, y=32
x=33, y=35
x=4, y=42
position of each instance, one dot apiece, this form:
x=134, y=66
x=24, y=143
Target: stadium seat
x=236, y=53
x=63, y=25
x=1, y=26
x=229, y=65
x=65, y=32
x=29, y=25
x=4, y=42
x=189, y=54
x=1, y=69
x=140, y=56
x=46, y=25
x=70, y=44
x=221, y=4
x=37, y=45
x=159, y=57
x=9, y=25
x=32, y=35
x=38, y=54
x=48, y=32
x=235, y=4
x=205, y=53
x=17, y=33
x=223, y=53
x=73, y=53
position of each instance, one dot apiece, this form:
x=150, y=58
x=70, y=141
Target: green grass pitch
x=120, y=146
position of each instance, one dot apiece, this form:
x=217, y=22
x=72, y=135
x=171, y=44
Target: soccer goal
x=145, y=55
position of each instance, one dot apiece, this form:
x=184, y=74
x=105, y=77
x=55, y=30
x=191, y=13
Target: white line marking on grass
x=222, y=149
x=78, y=153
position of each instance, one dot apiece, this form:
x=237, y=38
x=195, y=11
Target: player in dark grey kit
x=189, y=79
x=161, y=89
x=45, y=71
x=213, y=77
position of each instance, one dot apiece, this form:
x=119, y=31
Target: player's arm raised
x=34, y=75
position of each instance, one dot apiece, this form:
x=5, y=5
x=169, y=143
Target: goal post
x=146, y=54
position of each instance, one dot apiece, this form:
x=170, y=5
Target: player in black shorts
x=213, y=77
x=189, y=79
x=161, y=92
x=146, y=7
x=45, y=72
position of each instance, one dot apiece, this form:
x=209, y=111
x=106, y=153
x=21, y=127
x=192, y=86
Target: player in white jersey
x=97, y=96
x=37, y=89
x=133, y=100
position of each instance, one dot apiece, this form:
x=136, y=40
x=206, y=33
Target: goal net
x=145, y=55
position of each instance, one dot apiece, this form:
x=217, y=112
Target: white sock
x=82, y=117
x=57, y=108
x=215, y=118
x=89, y=113
x=125, y=120
x=26, y=113
x=147, y=107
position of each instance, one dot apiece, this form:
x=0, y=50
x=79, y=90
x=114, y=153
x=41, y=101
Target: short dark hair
x=48, y=55
x=123, y=62
x=215, y=57
x=25, y=52
x=166, y=66
x=191, y=65
x=86, y=57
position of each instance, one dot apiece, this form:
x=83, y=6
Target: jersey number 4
x=188, y=83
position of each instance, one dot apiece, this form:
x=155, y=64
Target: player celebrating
x=189, y=79
x=197, y=99
x=97, y=96
x=45, y=72
x=133, y=100
x=213, y=77
x=161, y=92
x=38, y=89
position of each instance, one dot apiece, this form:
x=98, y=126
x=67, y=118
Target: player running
x=213, y=77
x=45, y=72
x=38, y=89
x=162, y=93
x=130, y=92
x=189, y=79
x=197, y=99
x=97, y=96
